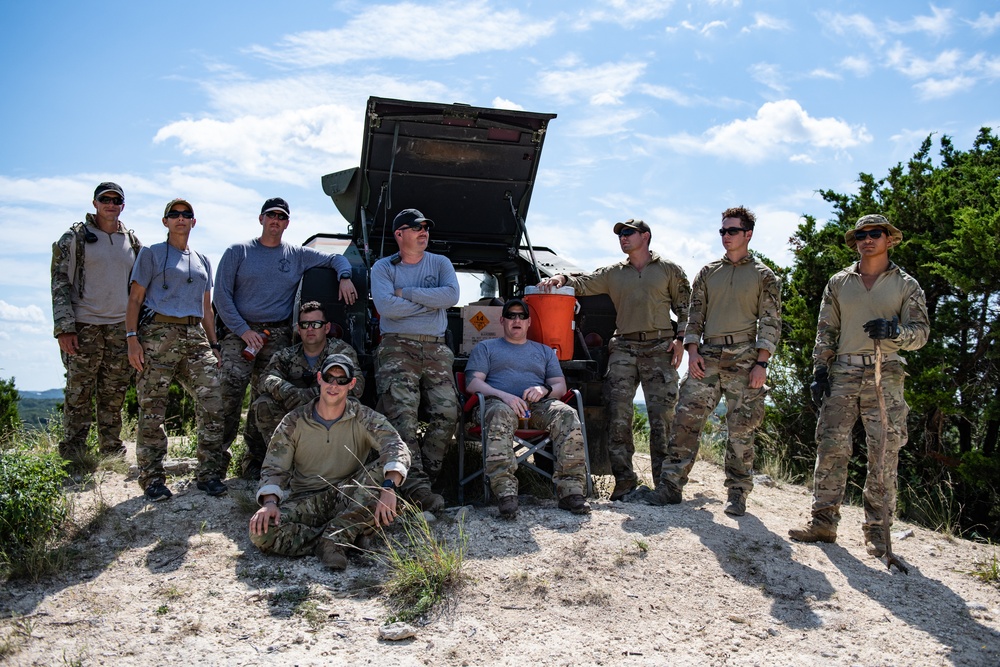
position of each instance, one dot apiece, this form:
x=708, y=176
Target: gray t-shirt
x=511, y=367
x=429, y=289
x=256, y=283
x=106, y=265
x=175, y=281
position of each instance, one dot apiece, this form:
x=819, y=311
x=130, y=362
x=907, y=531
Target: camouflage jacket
x=67, y=271
x=290, y=380
x=847, y=304
x=735, y=298
x=305, y=457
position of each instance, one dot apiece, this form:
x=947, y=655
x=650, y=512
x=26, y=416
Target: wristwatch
x=130, y=334
x=762, y=364
x=216, y=346
x=345, y=274
x=389, y=484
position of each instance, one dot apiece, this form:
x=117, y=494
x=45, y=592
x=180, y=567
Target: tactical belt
x=648, y=335
x=167, y=319
x=417, y=337
x=268, y=325
x=866, y=359
x=730, y=340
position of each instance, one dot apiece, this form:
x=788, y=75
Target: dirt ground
x=178, y=582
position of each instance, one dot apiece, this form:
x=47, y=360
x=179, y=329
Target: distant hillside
x=47, y=394
x=36, y=408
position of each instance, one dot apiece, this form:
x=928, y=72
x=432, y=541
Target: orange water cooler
x=552, y=318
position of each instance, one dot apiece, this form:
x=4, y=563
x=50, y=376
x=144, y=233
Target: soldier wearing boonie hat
x=89, y=294
x=873, y=299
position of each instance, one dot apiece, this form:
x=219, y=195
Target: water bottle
x=250, y=353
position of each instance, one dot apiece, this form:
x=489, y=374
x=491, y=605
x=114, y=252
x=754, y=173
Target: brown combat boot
x=574, y=503
x=331, y=554
x=623, y=487
x=736, y=504
x=874, y=540
x=427, y=500
x=507, y=506
x=815, y=531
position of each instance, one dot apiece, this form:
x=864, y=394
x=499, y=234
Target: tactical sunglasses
x=315, y=324
x=187, y=215
x=276, y=215
x=417, y=226
x=863, y=234
x=627, y=231
x=732, y=231
x=117, y=201
x=336, y=379
x=516, y=316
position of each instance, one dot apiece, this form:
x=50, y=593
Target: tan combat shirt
x=847, y=304
x=729, y=299
x=643, y=299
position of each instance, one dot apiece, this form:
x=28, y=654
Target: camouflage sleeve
x=696, y=312
x=680, y=298
x=276, y=471
x=393, y=452
x=274, y=380
x=914, y=324
x=768, y=310
x=63, y=259
x=828, y=326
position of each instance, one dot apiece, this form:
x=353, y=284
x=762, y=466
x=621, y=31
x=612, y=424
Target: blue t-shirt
x=175, y=281
x=511, y=367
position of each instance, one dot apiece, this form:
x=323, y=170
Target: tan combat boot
x=815, y=531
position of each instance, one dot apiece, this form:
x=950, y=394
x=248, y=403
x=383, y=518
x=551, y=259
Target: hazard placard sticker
x=479, y=321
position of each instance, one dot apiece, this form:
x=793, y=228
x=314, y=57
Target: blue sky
x=667, y=111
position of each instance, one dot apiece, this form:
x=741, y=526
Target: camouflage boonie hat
x=865, y=221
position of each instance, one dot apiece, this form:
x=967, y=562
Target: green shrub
x=32, y=504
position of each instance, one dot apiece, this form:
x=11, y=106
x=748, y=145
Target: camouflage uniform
x=321, y=479
x=408, y=370
x=562, y=422
x=728, y=359
x=289, y=381
x=178, y=352
x=100, y=368
x=846, y=305
x=640, y=353
x=237, y=374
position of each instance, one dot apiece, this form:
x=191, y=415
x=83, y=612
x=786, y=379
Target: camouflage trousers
x=99, y=370
x=727, y=373
x=340, y=513
x=178, y=352
x=267, y=412
x=629, y=363
x=237, y=374
x=411, y=375
x=852, y=394
x=556, y=417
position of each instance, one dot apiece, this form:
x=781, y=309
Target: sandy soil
x=178, y=582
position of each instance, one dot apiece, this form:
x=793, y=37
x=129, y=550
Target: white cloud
x=503, y=103
x=777, y=127
x=601, y=85
x=624, y=12
x=410, y=31
x=985, y=23
x=767, y=22
x=820, y=73
x=667, y=94
x=604, y=124
x=930, y=89
x=857, y=65
x=768, y=74
x=901, y=59
x=704, y=29
x=854, y=25
x=936, y=25
x=31, y=314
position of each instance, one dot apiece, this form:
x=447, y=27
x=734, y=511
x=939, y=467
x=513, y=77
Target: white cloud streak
x=601, y=85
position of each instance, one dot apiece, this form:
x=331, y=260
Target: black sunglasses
x=732, y=231
x=516, y=316
x=117, y=201
x=417, y=226
x=863, y=234
x=337, y=379
x=187, y=215
x=628, y=231
x=276, y=215
x=315, y=324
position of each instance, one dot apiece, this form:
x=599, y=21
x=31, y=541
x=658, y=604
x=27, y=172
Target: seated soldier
x=316, y=493
x=518, y=376
x=289, y=380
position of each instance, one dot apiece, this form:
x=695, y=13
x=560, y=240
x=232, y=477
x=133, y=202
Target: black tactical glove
x=820, y=387
x=882, y=328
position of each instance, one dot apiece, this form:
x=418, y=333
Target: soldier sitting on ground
x=316, y=493
x=290, y=377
